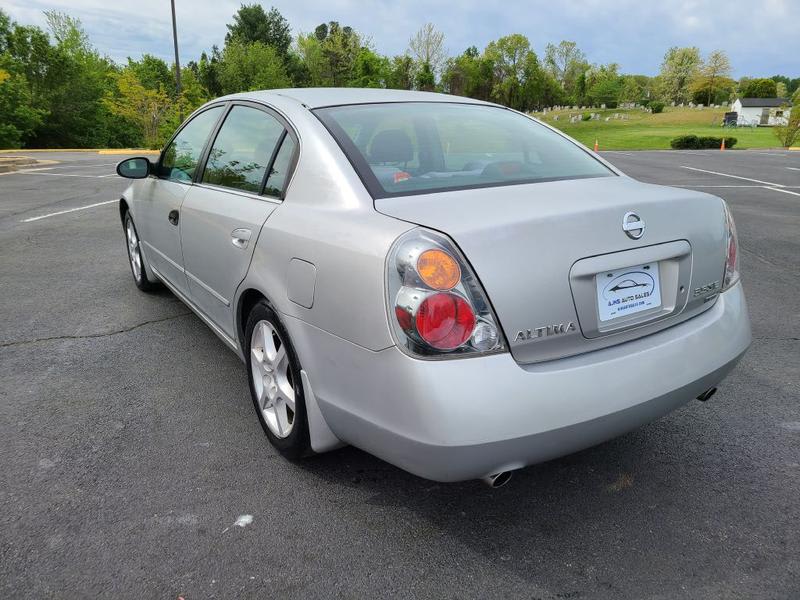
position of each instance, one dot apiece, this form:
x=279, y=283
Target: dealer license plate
x=628, y=291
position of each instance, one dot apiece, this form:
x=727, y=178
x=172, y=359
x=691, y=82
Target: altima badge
x=537, y=332
x=633, y=225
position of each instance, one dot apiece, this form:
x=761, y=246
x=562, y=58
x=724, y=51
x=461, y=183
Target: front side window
x=242, y=150
x=419, y=147
x=181, y=157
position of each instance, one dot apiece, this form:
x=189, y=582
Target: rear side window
x=180, y=159
x=240, y=154
x=420, y=147
x=280, y=168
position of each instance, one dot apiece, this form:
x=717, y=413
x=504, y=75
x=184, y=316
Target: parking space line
x=82, y=165
x=733, y=176
x=784, y=191
x=793, y=168
x=691, y=185
x=69, y=210
x=63, y=174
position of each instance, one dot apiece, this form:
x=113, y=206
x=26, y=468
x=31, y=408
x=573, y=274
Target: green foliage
x=370, y=70
x=679, y=68
x=568, y=65
x=656, y=106
x=789, y=134
x=137, y=104
x=251, y=66
x=401, y=73
x=20, y=119
x=330, y=54
x=693, y=142
x=153, y=73
x=251, y=24
x=605, y=87
x=760, y=88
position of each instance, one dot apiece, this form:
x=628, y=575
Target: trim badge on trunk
x=545, y=330
x=633, y=225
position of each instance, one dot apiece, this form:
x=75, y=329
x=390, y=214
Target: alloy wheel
x=272, y=378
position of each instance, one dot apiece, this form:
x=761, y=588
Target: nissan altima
x=448, y=284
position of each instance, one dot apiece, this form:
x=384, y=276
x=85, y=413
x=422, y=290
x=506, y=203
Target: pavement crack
x=778, y=339
x=92, y=335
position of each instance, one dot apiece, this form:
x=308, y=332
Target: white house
x=761, y=111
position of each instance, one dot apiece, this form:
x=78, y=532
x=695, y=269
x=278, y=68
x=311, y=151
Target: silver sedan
x=447, y=284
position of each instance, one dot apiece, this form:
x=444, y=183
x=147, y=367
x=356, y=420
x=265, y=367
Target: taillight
x=437, y=306
x=731, y=253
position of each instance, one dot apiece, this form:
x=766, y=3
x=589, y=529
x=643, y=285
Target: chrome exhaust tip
x=707, y=394
x=498, y=479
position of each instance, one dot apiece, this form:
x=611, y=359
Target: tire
x=276, y=388
x=135, y=258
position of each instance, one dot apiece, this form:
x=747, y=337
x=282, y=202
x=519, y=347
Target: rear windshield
x=419, y=147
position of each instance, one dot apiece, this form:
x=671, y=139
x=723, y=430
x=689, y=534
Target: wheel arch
x=248, y=298
x=123, y=208
x=321, y=438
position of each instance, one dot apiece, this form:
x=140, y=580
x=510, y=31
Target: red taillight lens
x=438, y=308
x=445, y=321
x=731, y=275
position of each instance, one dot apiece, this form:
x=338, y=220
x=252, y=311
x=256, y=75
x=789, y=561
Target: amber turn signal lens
x=438, y=269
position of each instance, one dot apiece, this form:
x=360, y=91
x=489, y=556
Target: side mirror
x=134, y=168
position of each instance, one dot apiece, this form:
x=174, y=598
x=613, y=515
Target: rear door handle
x=173, y=217
x=240, y=237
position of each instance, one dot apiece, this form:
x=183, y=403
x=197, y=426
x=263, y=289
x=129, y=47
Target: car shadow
x=582, y=505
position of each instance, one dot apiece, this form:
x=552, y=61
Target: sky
x=760, y=36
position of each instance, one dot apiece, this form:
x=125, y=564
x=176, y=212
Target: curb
x=128, y=151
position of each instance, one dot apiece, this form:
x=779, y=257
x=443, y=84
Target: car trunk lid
x=539, y=250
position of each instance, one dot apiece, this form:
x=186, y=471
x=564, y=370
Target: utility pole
x=177, y=61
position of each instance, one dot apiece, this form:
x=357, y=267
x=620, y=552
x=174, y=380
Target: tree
x=713, y=76
x=140, y=105
x=254, y=66
x=153, y=73
x=509, y=55
x=208, y=72
x=252, y=24
x=330, y=54
x=781, y=91
x=469, y=74
x=679, y=67
x=370, y=70
x=789, y=133
x=401, y=73
x=426, y=47
x=760, y=88
x=566, y=63
x=631, y=90
x=20, y=119
x=69, y=81
x=603, y=85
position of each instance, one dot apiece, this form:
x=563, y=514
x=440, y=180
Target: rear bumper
x=460, y=419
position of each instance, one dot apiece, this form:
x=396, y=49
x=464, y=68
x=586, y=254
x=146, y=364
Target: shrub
x=657, y=106
x=586, y=117
x=692, y=142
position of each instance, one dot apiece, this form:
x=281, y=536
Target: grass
x=645, y=131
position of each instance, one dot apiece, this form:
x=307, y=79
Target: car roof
x=319, y=97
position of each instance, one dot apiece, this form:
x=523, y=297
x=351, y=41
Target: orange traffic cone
x=722, y=146
x=597, y=146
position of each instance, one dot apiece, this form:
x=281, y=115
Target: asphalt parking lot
x=130, y=447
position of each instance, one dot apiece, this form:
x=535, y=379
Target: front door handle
x=173, y=217
x=240, y=237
